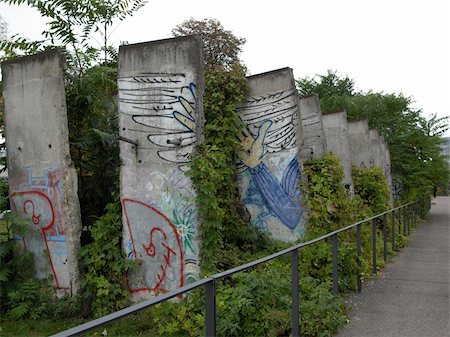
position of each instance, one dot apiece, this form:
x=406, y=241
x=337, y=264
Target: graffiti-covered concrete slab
x=269, y=163
x=314, y=142
x=336, y=135
x=160, y=109
x=360, y=145
x=42, y=179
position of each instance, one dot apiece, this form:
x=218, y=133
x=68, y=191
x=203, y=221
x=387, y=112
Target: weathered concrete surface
x=375, y=149
x=42, y=179
x=360, y=145
x=160, y=107
x=314, y=142
x=411, y=298
x=269, y=163
x=336, y=136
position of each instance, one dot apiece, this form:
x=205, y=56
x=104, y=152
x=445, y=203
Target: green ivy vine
x=214, y=174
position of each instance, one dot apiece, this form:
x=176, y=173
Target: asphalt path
x=411, y=297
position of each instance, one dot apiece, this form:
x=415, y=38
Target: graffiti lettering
x=156, y=243
x=30, y=202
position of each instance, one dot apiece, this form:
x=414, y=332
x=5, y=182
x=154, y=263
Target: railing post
x=385, y=238
x=393, y=229
x=374, y=246
x=210, y=299
x=404, y=220
x=358, y=259
x=334, y=244
x=415, y=214
x=408, y=218
x=295, y=294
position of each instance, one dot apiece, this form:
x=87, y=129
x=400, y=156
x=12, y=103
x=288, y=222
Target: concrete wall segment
x=42, y=179
x=358, y=135
x=336, y=134
x=314, y=142
x=269, y=166
x=161, y=88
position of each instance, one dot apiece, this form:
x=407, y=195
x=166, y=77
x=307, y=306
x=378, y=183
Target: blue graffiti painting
x=283, y=198
x=268, y=126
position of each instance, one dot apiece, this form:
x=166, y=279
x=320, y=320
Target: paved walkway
x=411, y=298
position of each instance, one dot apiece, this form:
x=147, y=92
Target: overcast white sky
x=384, y=45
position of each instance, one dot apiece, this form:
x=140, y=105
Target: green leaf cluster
x=413, y=139
x=371, y=186
x=214, y=174
x=93, y=130
x=71, y=26
x=21, y=295
x=105, y=264
x=329, y=207
x=256, y=303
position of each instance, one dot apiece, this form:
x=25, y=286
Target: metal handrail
x=209, y=282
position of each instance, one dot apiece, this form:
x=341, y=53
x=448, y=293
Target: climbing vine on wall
x=105, y=264
x=213, y=169
x=329, y=206
x=371, y=186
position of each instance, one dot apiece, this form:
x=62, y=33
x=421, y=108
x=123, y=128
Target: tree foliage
x=72, y=26
x=413, y=140
x=220, y=46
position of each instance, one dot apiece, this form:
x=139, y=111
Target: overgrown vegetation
x=413, y=140
x=21, y=295
x=371, y=187
x=105, y=264
x=213, y=169
x=249, y=304
x=91, y=84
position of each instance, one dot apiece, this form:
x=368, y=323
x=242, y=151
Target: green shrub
x=105, y=264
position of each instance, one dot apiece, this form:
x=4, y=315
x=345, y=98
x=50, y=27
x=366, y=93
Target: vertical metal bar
x=295, y=294
x=374, y=246
x=385, y=238
x=393, y=229
x=414, y=216
x=404, y=221
x=210, y=299
x=408, y=218
x=358, y=258
x=334, y=242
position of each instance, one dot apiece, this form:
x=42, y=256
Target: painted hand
x=252, y=148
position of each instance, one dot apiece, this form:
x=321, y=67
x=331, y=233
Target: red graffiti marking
x=29, y=200
x=151, y=251
x=157, y=248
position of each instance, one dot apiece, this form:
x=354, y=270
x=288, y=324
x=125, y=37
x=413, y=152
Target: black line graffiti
x=280, y=108
x=161, y=106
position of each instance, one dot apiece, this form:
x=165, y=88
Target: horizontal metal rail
x=210, y=282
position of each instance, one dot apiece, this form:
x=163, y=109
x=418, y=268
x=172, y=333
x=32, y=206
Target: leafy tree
x=220, y=46
x=333, y=90
x=72, y=25
x=413, y=140
x=90, y=87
